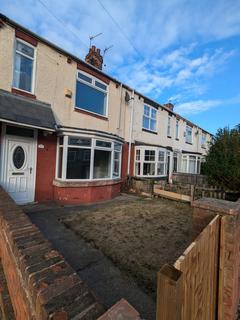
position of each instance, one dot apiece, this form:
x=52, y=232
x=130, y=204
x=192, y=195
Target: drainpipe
x=130, y=134
x=120, y=110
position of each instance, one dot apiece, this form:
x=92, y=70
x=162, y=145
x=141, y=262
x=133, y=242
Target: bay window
x=150, y=162
x=91, y=94
x=86, y=158
x=23, y=71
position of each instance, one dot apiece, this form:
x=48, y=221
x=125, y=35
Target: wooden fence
x=187, y=193
x=188, y=290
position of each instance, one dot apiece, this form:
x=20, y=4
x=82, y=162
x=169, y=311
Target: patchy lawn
x=138, y=234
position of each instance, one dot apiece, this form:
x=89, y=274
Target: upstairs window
x=23, y=66
x=150, y=118
x=203, y=140
x=169, y=127
x=91, y=94
x=188, y=134
x=177, y=130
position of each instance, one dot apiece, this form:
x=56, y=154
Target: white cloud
x=199, y=106
x=168, y=33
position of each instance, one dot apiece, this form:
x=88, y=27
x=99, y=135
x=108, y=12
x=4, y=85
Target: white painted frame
x=142, y=161
x=3, y=155
x=150, y=118
x=33, y=82
x=169, y=128
x=92, y=148
x=177, y=127
x=187, y=128
x=187, y=157
x=92, y=85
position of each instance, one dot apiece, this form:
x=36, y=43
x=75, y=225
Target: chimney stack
x=169, y=105
x=94, y=57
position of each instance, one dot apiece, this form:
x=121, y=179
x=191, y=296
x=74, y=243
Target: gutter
x=130, y=134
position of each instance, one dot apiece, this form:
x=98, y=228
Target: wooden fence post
x=192, y=192
x=169, y=293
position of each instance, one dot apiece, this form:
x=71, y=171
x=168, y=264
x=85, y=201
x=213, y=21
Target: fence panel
x=199, y=277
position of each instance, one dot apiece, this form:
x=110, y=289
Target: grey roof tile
x=26, y=111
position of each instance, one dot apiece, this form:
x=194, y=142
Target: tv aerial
x=93, y=37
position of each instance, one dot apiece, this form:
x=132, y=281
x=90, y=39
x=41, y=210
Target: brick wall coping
x=83, y=184
x=46, y=283
x=218, y=206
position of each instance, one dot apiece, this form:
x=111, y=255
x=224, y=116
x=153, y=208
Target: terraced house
x=73, y=134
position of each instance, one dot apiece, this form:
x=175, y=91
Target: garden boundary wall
x=203, y=284
x=40, y=282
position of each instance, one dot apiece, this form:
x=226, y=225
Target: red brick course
x=86, y=194
x=40, y=282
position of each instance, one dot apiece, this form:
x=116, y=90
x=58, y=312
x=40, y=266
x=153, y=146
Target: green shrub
x=222, y=164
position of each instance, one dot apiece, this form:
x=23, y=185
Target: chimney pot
x=94, y=57
x=169, y=105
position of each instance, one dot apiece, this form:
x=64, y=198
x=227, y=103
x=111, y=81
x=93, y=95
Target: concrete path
x=108, y=283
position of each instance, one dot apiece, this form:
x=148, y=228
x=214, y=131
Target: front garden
x=138, y=234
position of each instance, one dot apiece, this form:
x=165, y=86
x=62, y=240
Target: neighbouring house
x=73, y=134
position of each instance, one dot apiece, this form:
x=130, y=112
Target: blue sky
x=183, y=51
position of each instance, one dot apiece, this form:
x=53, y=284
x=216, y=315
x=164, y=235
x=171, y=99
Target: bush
x=222, y=164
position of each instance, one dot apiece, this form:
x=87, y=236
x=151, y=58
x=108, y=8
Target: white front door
x=18, y=169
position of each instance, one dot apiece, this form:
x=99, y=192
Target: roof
x=30, y=112
x=77, y=59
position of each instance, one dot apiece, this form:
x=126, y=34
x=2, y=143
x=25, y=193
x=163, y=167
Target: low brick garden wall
x=41, y=283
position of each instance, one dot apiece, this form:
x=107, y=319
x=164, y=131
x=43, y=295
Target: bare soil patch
x=139, y=235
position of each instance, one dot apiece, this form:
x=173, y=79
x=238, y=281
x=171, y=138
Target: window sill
x=84, y=184
x=170, y=137
x=149, y=131
x=188, y=142
x=177, y=139
x=89, y=113
x=23, y=93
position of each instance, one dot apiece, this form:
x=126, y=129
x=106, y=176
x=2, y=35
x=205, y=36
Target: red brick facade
x=86, y=194
x=46, y=164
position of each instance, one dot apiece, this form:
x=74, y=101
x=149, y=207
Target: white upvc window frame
x=187, y=158
x=140, y=159
x=203, y=140
x=93, y=147
x=26, y=56
x=177, y=129
x=169, y=129
x=186, y=134
x=92, y=85
x=151, y=108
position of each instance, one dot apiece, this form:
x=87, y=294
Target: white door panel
x=18, y=176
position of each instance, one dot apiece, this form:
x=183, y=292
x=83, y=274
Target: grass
x=139, y=235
